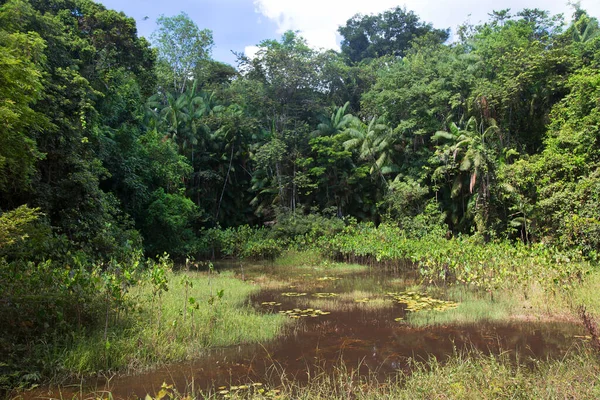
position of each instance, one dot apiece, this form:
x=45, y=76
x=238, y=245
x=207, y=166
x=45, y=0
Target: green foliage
x=388, y=33
x=496, y=134
x=114, y=161
x=13, y=225
x=305, y=228
x=522, y=74
x=182, y=47
x=21, y=60
x=461, y=260
x=169, y=224
x=48, y=303
x=563, y=180
x=468, y=161
x=242, y=242
x=407, y=206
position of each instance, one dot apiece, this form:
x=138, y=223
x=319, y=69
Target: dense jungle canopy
x=111, y=143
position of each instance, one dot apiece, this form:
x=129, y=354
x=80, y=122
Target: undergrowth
x=195, y=312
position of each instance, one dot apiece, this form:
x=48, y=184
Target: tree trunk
x=225, y=183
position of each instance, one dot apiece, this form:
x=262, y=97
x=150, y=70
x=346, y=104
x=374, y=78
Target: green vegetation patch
x=293, y=294
x=325, y=295
x=363, y=300
x=251, y=390
x=297, y=313
x=191, y=313
x=270, y=304
x=419, y=302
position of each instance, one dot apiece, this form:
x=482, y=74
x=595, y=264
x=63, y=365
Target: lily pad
x=420, y=302
x=270, y=303
x=297, y=313
x=293, y=294
x=325, y=295
x=329, y=278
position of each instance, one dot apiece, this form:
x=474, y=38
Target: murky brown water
x=363, y=338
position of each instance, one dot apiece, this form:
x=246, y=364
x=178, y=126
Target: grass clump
x=193, y=313
x=587, y=293
x=471, y=307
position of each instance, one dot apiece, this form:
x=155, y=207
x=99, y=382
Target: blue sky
x=239, y=25
x=234, y=23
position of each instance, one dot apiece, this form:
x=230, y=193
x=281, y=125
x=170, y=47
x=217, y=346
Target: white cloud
x=318, y=20
x=250, y=51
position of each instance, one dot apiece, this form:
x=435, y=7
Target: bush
x=241, y=242
x=305, y=228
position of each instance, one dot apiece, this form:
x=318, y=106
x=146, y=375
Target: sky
x=239, y=25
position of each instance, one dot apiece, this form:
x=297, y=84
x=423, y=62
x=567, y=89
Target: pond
x=351, y=318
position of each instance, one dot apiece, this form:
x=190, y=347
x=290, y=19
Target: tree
x=84, y=52
x=584, y=27
x=21, y=60
x=340, y=120
x=182, y=49
x=337, y=178
x=388, y=33
x=286, y=92
x=13, y=225
x=374, y=145
x=468, y=158
x=566, y=176
x=521, y=75
x=169, y=224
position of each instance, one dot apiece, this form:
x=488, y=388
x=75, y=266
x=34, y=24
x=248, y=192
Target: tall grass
x=473, y=307
x=470, y=375
x=195, y=313
x=473, y=376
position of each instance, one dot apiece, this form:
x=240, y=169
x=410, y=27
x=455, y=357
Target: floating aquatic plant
x=254, y=388
x=270, y=303
x=329, y=278
x=420, y=302
x=363, y=300
x=293, y=294
x=298, y=313
x=324, y=295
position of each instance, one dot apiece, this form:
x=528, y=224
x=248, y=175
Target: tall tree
x=287, y=93
x=387, y=33
x=182, y=49
x=21, y=60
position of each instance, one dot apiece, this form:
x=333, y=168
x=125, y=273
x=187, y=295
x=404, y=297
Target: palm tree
x=472, y=152
x=231, y=139
x=374, y=144
x=173, y=115
x=338, y=121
